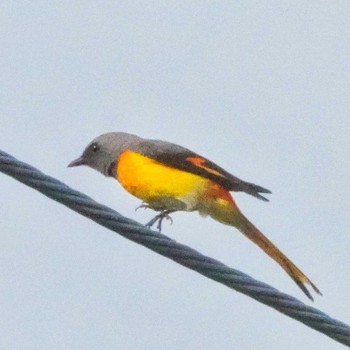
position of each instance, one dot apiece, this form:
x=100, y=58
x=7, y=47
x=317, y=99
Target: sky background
x=259, y=87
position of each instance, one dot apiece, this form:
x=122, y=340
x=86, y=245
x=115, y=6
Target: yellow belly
x=152, y=181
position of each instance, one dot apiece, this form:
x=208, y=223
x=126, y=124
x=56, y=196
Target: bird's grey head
x=102, y=152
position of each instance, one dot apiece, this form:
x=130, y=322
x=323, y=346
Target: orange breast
x=148, y=179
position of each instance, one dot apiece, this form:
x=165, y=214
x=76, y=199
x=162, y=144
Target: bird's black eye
x=95, y=147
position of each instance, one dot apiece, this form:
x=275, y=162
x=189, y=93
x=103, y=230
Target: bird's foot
x=143, y=205
x=159, y=218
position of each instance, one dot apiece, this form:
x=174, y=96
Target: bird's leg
x=164, y=214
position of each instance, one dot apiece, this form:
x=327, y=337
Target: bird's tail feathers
x=256, y=236
x=223, y=209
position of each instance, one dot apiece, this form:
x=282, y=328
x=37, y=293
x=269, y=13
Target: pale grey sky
x=259, y=87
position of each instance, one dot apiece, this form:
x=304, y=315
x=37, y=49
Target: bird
x=169, y=178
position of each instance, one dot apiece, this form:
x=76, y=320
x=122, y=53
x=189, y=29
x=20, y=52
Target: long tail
x=250, y=231
x=224, y=209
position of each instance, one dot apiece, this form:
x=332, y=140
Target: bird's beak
x=77, y=162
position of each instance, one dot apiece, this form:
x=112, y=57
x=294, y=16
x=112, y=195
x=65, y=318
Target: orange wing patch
x=199, y=162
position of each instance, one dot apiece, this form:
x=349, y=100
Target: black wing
x=182, y=158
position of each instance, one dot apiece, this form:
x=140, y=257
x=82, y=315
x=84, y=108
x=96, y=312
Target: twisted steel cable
x=171, y=249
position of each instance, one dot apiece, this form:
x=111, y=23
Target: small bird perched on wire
x=169, y=178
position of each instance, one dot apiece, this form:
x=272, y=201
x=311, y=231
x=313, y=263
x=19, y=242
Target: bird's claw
x=143, y=205
x=160, y=217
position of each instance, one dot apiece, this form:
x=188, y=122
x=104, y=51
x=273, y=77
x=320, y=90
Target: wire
x=169, y=248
